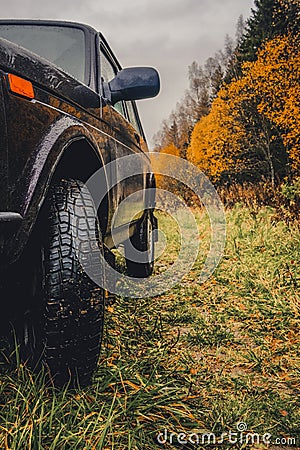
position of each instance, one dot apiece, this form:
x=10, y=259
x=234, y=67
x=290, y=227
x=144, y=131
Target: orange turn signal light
x=20, y=86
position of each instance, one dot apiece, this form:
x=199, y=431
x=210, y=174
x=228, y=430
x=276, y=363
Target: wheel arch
x=75, y=154
x=79, y=161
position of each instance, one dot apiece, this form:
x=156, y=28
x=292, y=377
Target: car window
x=128, y=109
x=108, y=72
x=132, y=116
x=63, y=46
x=107, y=69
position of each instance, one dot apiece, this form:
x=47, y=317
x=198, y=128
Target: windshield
x=63, y=46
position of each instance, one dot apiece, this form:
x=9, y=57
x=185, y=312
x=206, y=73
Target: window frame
x=110, y=57
x=89, y=63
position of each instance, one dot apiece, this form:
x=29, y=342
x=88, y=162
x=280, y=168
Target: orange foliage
x=274, y=81
x=267, y=93
x=219, y=136
x=171, y=149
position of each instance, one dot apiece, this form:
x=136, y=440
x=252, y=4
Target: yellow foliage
x=268, y=92
x=171, y=149
x=274, y=81
x=218, y=137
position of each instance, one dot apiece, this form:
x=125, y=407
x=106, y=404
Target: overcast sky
x=166, y=34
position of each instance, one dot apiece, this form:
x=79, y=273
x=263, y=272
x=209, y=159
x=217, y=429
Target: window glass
x=63, y=46
x=132, y=116
x=108, y=72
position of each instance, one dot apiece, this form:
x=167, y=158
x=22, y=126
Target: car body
x=67, y=109
x=67, y=128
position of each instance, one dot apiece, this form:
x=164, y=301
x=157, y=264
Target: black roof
x=61, y=23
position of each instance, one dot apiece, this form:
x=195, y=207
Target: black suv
x=67, y=110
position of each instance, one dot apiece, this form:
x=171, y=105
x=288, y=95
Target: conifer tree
x=259, y=28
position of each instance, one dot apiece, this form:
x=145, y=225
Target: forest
x=239, y=120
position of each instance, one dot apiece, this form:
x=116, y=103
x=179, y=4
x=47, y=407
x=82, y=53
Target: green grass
x=201, y=357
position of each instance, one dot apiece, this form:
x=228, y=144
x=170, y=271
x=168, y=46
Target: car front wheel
x=63, y=329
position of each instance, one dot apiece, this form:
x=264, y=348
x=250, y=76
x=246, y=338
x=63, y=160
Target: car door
x=127, y=139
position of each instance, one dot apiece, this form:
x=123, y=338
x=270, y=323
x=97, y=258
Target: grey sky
x=168, y=35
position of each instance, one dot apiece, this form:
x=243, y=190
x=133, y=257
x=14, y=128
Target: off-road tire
x=65, y=329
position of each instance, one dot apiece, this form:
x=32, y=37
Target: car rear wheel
x=139, y=250
x=63, y=330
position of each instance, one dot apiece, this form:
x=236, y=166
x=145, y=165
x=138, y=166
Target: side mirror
x=132, y=83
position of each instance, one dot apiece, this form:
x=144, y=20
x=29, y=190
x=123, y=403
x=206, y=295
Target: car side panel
x=39, y=131
x=130, y=190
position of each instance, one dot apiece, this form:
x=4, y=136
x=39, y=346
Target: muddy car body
x=67, y=109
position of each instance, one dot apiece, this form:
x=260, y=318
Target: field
x=212, y=358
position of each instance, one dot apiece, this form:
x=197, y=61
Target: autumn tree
x=268, y=19
x=274, y=82
x=204, y=84
x=240, y=118
x=220, y=141
x=215, y=74
x=209, y=148
x=252, y=130
x=286, y=17
x=177, y=128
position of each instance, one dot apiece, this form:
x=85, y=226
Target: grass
x=200, y=358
